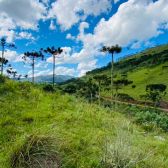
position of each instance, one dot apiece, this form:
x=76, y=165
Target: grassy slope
x=140, y=79
x=82, y=135
x=138, y=75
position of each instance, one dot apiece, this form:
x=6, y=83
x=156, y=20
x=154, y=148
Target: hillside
x=49, y=78
x=142, y=68
x=47, y=129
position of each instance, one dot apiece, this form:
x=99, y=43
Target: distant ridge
x=49, y=78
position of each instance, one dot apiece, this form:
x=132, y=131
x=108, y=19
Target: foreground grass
x=40, y=129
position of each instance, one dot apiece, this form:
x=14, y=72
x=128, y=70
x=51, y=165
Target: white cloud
x=25, y=35
x=69, y=36
x=23, y=13
x=18, y=58
x=10, y=34
x=52, y=26
x=82, y=73
x=149, y=44
x=6, y=22
x=134, y=20
x=41, y=64
x=9, y=55
x=67, y=12
x=136, y=45
x=87, y=65
x=45, y=72
x=115, y=1
x=64, y=70
x=46, y=1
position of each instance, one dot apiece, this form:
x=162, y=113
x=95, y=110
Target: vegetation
x=53, y=52
x=32, y=56
x=2, y=59
x=112, y=50
x=46, y=129
x=46, y=126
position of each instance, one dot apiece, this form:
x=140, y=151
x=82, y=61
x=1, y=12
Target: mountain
x=49, y=78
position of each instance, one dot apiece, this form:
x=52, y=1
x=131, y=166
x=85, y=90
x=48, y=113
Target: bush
x=48, y=87
x=124, y=96
x=133, y=86
x=2, y=79
x=152, y=118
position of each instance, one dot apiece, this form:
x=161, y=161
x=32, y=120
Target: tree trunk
x=53, y=68
x=112, y=102
x=2, y=58
x=33, y=70
x=91, y=98
x=99, y=93
x=116, y=98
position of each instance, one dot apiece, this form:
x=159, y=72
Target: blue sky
x=80, y=28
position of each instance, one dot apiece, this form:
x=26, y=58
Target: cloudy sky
x=80, y=28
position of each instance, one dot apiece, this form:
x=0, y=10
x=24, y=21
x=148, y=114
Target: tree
x=99, y=79
x=70, y=88
x=53, y=52
x=155, y=90
x=91, y=89
x=3, y=60
x=112, y=50
x=12, y=73
x=32, y=56
x=118, y=85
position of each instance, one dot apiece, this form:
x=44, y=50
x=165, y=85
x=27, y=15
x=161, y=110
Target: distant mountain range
x=49, y=78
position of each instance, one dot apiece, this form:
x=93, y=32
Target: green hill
x=142, y=68
x=49, y=78
x=47, y=129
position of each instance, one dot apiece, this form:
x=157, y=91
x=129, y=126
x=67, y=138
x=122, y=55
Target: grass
x=47, y=129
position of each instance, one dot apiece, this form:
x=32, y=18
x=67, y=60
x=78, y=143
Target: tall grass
x=47, y=129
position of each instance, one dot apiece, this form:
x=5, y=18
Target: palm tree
x=3, y=60
x=33, y=55
x=54, y=52
x=112, y=50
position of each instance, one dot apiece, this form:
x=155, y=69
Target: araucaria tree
x=3, y=60
x=30, y=57
x=53, y=52
x=100, y=79
x=118, y=85
x=155, y=91
x=112, y=50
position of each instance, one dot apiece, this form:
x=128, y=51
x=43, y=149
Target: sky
x=80, y=28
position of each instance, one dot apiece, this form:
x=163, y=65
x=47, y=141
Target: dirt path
x=164, y=105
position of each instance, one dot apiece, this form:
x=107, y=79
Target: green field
x=44, y=129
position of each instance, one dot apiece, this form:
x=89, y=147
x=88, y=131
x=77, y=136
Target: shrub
x=2, y=79
x=48, y=87
x=35, y=151
x=133, y=86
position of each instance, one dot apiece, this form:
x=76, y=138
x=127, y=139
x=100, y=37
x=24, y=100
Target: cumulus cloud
x=134, y=20
x=41, y=64
x=68, y=13
x=24, y=35
x=64, y=70
x=9, y=55
x=87, y=65
x=82, y=73
x=24, y=14
x=52, y=26
x=69, y=36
